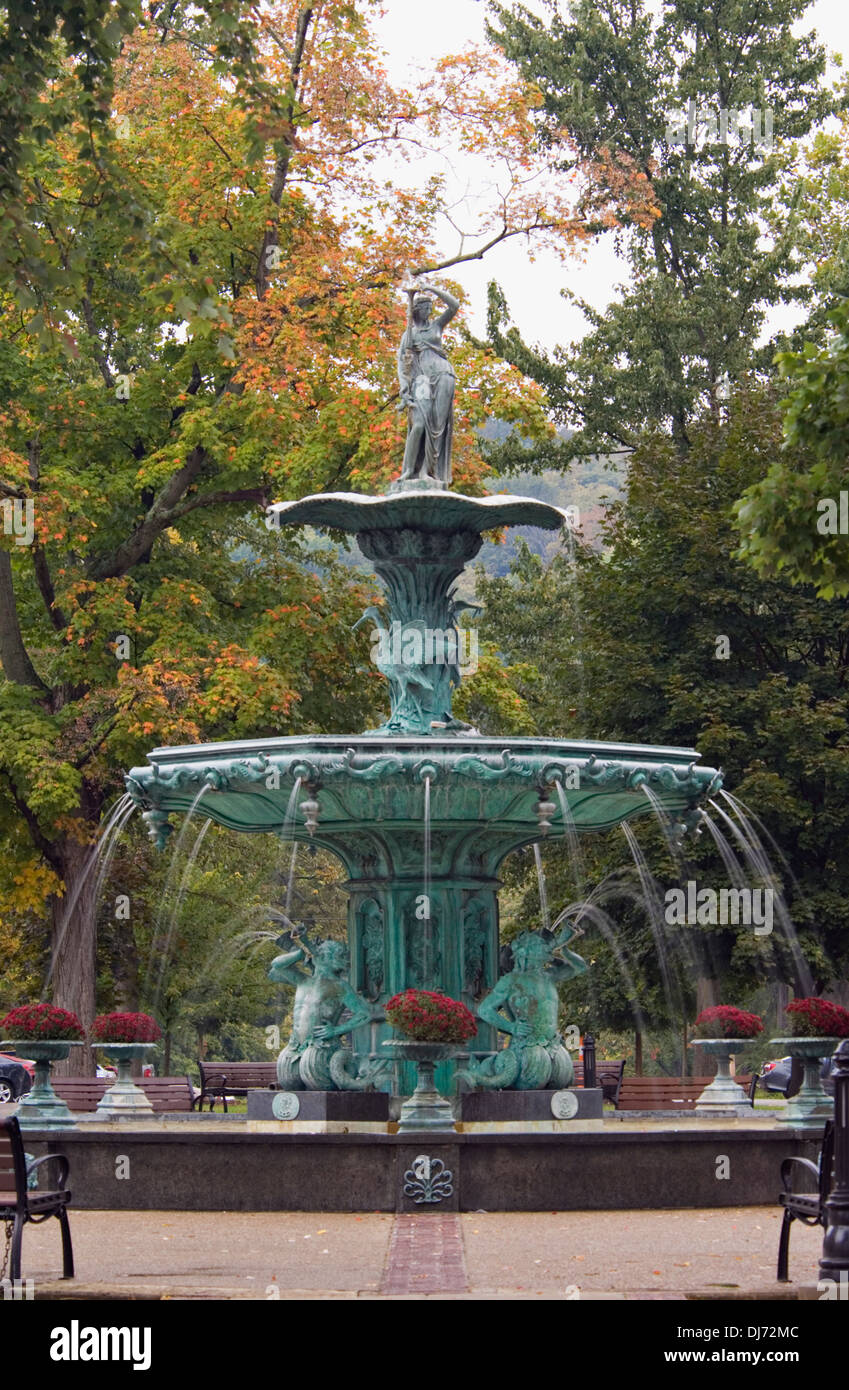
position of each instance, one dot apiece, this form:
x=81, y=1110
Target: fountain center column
x=419, y=650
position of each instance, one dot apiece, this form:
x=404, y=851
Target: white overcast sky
x=413, y=36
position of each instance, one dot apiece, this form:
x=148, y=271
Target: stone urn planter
x=124, y=1097
x=41, y=1108
x=425, y=1109
x=723, y=1093
x=812, y=1106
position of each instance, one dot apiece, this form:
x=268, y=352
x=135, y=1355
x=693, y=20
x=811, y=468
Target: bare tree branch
x=281, y=169
x=260, y=495
x=158, y=519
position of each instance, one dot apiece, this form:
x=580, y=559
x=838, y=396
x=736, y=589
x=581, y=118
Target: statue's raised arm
x=287, y=968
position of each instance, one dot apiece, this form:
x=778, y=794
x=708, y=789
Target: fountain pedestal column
x=444, y=938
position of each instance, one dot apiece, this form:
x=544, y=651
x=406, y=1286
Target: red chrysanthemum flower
x=423, y=1015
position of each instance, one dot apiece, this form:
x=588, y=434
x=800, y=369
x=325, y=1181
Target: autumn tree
x=207, y=319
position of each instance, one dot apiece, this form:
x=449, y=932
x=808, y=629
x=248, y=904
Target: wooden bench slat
x=84, y=1093
x=608, y=1076
x=666, y=1092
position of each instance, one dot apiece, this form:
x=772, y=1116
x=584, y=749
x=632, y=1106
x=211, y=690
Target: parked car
x=16, y=1075
x=785, y=1074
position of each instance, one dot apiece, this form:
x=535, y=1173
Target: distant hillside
x=589, y=486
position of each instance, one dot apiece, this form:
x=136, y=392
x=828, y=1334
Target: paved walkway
x=719, y=1252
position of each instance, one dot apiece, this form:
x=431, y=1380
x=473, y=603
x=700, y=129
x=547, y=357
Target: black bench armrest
x=214, y=1084
x=787, y=1164
x=64, y=1167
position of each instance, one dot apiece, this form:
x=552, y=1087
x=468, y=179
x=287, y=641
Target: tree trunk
x=706, y=993
x=783, y=995
x=73, y=967
x=638, y=1053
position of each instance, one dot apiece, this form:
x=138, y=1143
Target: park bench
x=666, y=1092
x=20, y=1204
x=165, y=1093
x=608, y=1075
x=220, y=1080
x=807, y=1207
x=169, y=1093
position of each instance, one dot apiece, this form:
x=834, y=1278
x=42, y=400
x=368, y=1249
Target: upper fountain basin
x=414, y=507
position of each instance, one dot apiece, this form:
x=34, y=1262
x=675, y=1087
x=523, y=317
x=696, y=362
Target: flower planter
x=124, y=1097
x=723, y=1093
x=41, y=1108
x=425, y=1109
x=812, y=1106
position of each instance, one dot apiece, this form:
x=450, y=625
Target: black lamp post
x=589, y=1062
x=835, y=1245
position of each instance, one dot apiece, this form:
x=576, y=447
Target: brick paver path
x=425, y=1255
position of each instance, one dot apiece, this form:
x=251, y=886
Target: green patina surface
x=413, y=924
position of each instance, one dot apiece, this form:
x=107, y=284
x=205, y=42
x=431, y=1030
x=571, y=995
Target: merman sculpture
x=326, y=1008
x=524, y=1004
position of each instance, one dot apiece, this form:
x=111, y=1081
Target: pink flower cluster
x=42, y=1021
x=818, y=1018
x=125, y=1028
x=725, y=1021
x=423, y=1015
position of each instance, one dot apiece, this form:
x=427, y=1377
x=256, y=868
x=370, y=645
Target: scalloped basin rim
x=377, y=743
x=425, y=510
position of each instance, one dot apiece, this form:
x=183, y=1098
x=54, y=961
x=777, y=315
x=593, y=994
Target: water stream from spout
x=287, y=906
x=291, y=810
x=157, y=956
x=600, y=919
x=543, y=892
x=656, y=920
x=165, y=952
x=287, y=833
x=761, y=868
x=747, y=816
x=100, y=856
x=570, y=834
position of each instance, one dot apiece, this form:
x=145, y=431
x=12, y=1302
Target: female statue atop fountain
x=427, y=386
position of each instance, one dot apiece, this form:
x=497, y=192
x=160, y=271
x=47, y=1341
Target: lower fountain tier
x=484, y=793
x=413, y=923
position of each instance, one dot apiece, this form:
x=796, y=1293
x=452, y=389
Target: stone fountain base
x=193, y=1165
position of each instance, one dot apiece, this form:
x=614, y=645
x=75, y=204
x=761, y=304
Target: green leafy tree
x=795, y=521
x=200, y=314
x=666, y=637
x=619, y=83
